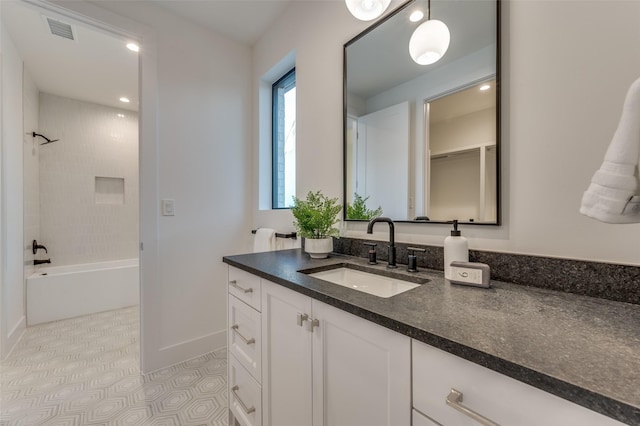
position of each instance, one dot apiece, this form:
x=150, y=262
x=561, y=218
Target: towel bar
x=292, y=235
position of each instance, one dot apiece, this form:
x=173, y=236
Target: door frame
x=114, y=24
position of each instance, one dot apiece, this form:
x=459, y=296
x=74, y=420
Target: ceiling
x=463, y=102
x=380, y=59
x=96, y=67
x=242, y=20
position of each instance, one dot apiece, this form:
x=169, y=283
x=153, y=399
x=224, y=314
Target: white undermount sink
x=368, y=282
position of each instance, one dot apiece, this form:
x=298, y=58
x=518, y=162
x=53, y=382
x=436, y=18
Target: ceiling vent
x=60, y=29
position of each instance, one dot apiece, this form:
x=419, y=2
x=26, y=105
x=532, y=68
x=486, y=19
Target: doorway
x=74, y=154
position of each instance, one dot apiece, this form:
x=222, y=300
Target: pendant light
x=429, y=41
x=366, y=10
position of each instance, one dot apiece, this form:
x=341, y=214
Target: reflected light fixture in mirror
x=429, y=41
x=133, y=47
x=366, y=10
x=416, y=16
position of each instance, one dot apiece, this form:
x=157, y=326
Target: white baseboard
x=188, y=349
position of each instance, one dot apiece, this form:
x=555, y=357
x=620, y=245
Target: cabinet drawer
x=245, y=395
x=499, y=398
x=419, y=419
x=244, y=333
x=245, y=286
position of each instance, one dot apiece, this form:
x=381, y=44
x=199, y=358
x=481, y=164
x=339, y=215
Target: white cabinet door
x=361, y=371
x=286, y=357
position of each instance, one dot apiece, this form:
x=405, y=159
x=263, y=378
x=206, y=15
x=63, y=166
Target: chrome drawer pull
x=244, y=339
x=312, y=324
x=234, y=283
x=455, y=398
x=300, y=318
x=244, y=407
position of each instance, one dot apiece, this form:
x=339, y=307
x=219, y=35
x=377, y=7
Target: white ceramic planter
x=318, y=248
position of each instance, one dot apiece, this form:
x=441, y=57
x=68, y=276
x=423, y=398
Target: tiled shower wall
x=31, y=173
x=95, y=141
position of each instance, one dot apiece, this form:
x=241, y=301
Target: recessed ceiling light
x=133, y=47
x=416, y=16
x=485, y=87
x=120, y=115
x=125, y=100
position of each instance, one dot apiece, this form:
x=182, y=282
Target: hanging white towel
x=265, y=240
x=614, y=193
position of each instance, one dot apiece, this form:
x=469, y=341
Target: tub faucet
x=40, y=262
x=392, y=244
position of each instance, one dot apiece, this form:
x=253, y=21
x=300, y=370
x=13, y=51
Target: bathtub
x=59, y=292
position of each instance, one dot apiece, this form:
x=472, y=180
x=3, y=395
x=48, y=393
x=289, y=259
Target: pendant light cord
x=428, y=10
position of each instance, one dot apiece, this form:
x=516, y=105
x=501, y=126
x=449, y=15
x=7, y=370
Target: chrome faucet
x=392, y=243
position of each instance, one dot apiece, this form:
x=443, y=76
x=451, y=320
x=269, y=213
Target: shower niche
x=109, y=190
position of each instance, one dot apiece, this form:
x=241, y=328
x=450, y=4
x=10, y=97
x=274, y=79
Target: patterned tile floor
x=85, y=371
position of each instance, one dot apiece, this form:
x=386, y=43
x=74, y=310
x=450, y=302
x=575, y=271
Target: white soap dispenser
x=456, y=248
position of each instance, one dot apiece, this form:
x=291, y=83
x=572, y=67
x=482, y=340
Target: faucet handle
x=35, y=247
x=412, y=250
x=372, y=253
x=412, y=261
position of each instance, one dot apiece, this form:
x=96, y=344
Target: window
x=284, y=141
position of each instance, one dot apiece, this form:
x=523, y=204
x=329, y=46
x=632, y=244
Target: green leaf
x=315, y=216
x=359, y=209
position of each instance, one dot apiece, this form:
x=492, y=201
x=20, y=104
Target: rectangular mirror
x=421, y=142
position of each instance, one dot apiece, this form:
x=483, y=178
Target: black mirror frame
x=498, y=77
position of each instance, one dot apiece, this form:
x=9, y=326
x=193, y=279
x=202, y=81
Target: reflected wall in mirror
x=461, y=136
x=417, y=143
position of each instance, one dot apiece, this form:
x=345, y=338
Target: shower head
x=34, y=134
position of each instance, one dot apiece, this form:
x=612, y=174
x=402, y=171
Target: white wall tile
x=95, y=140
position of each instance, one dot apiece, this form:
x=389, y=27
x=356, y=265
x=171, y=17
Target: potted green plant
x=359, y=209
x=315, y=218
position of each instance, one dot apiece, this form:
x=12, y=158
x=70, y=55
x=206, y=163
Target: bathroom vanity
x=304, y=351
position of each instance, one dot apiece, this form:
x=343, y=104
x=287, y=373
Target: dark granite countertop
x=583, y=349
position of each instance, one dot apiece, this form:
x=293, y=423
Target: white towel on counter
x=614, y=193
x=265, y=240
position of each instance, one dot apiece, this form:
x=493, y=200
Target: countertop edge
x=579, y=395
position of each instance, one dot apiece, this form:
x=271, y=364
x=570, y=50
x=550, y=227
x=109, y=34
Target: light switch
x=168, y=207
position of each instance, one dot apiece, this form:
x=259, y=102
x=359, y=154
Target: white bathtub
x=59, y=292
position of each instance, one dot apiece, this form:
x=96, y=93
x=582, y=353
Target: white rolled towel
x=614, y=193
x=265, y=240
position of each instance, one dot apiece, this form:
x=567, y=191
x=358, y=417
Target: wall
x=12, y=285
x=195, y=110
x=557, y=120
x=459, y=132
x=95, y=141
x=316, y=32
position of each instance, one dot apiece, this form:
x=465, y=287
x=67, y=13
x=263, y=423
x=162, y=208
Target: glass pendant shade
x=366, y=10
x=429, y=42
